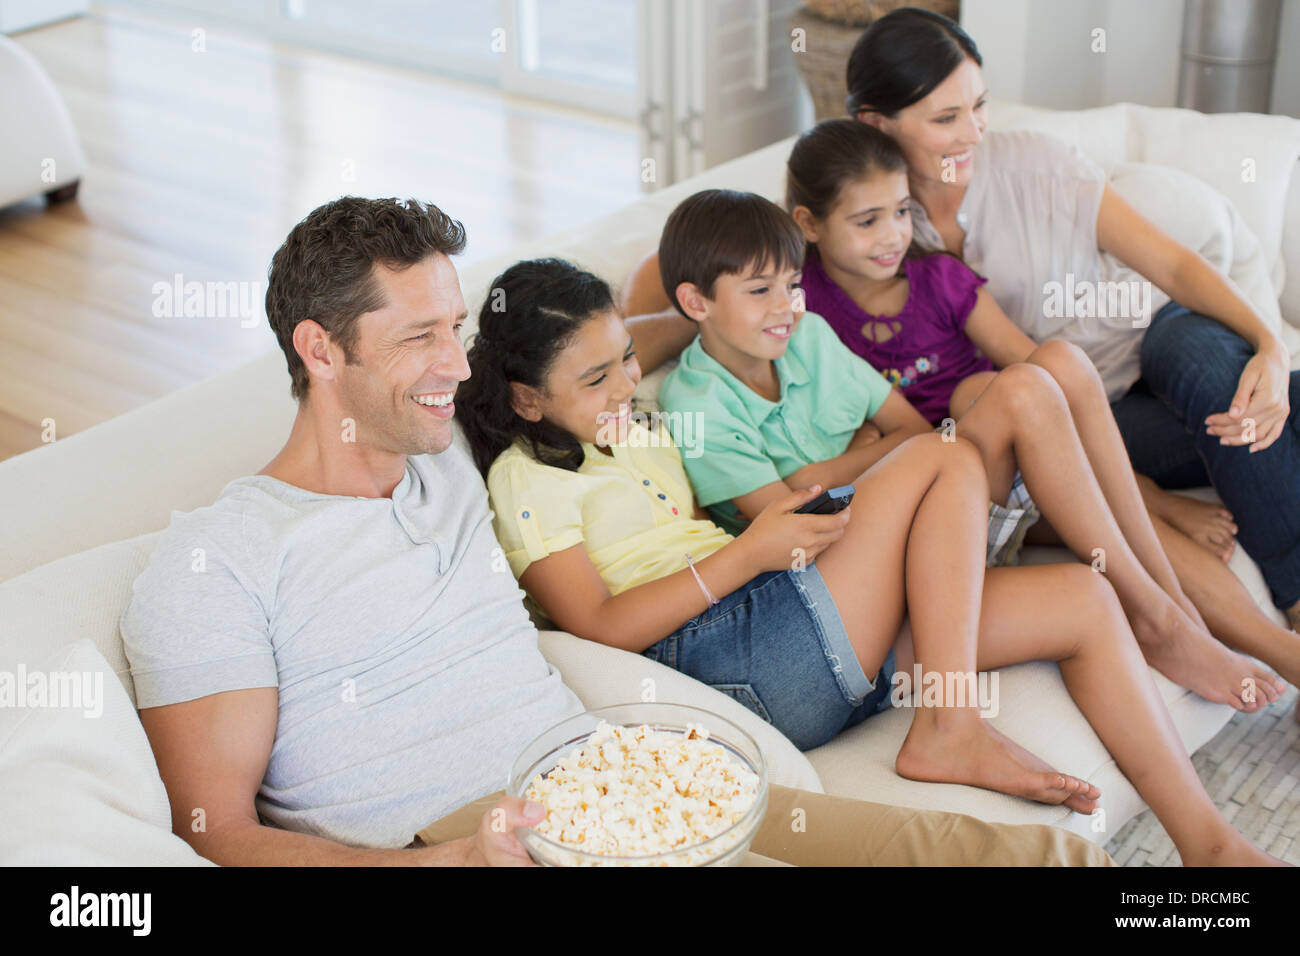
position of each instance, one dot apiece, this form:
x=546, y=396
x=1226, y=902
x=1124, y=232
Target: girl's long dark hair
x=531, y=313
x=902, y=57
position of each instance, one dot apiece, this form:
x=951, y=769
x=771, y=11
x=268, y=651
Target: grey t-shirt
x=408, y=671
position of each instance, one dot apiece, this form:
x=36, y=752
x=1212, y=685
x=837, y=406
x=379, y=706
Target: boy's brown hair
x=725, y=232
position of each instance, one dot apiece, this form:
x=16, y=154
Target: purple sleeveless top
x=931, y=353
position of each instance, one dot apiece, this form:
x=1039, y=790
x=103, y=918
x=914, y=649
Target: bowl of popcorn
x=642, y=785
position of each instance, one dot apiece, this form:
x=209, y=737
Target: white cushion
x=80, y=596
x=80, y=789
x=1204, y=220
x=1211, y=147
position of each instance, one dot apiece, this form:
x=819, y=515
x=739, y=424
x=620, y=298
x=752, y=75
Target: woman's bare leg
x=1070, y=614
x=928, y=545
x=1022, y=420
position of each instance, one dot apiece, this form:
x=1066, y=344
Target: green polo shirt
x=737, y=441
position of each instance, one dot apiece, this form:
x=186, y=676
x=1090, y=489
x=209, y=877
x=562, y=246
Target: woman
x=1214, y=379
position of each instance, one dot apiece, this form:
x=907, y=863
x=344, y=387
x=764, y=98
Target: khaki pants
x=841, y=831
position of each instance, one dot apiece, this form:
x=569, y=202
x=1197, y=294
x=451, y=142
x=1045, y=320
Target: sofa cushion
x=81, y=785
x=80, y=596
x=1254, y=171
x=1034, y=710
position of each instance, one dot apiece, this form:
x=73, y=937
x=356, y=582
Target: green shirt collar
x=790, y=370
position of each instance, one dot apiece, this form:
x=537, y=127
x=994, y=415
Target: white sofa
x=82, y=516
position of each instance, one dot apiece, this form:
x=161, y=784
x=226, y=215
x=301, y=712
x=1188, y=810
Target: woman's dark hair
x=832, y=154
x=902, y=57
x=530, y=316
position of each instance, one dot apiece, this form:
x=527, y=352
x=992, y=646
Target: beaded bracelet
x=700, y=581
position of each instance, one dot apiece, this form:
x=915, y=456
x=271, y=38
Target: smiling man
x=342, y=660
x=329, y=656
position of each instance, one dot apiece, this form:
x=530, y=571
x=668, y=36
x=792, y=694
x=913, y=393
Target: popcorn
x=636, y=792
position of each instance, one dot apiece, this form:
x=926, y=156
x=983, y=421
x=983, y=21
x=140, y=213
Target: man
x=333, y=654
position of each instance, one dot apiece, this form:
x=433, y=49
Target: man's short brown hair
x=325, y=269
x=725, y=232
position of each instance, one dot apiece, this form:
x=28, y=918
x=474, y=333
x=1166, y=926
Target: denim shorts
x=777, y=646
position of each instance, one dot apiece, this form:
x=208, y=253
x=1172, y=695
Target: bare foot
x=958, y=750
x=1190, y=657
x=1209, y=525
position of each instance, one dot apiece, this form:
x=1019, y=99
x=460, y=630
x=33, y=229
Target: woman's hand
x=777, y=536
x=1260, y=408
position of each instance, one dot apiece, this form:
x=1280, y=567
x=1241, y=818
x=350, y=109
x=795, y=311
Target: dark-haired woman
x=1203, y=395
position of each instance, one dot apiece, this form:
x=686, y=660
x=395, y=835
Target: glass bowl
x=723, y=849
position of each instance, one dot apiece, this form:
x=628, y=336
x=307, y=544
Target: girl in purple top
x=929, y=355
x=927, y=323
x=922, y=321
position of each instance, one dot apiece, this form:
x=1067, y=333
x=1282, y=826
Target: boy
x=784, y=403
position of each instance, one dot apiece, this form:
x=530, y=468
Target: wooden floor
x=199, y=163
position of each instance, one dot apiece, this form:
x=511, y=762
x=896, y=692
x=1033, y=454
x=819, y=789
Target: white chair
x=39, y=149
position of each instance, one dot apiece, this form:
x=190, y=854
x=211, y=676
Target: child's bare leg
x=643, y=292
x=967, y=390
x=1230, y=612
x=1209, y=525
x=1095, y=424
x=1070, y=614
x=929, y=545
x=1101, y=440
x=1022, y=420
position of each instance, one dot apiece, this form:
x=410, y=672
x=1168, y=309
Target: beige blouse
x=1030, y=217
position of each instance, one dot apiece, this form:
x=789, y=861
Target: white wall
x=1040, y=51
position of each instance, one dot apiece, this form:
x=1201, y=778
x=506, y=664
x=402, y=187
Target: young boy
x=783, y=402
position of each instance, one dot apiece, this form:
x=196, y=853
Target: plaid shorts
x=1008, y=524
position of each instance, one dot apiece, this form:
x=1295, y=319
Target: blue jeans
x=777, y=645
x=1191, y=366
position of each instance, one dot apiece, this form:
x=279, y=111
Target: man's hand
x=495, y=843
x=1260, y=408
